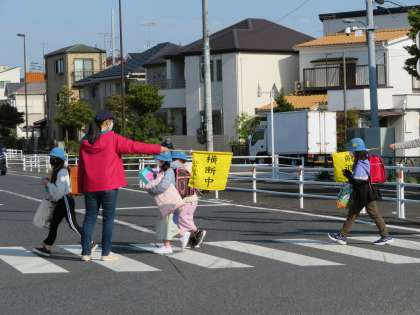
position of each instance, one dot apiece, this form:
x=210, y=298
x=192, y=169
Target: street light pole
x=207, y=77
x=122, y=79
x=26, y=84
x=373, y=85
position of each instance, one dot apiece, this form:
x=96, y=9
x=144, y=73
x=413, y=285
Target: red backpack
x=377, y=170
x=181, y=183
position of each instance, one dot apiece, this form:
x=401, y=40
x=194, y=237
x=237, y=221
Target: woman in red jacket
x=101, y=174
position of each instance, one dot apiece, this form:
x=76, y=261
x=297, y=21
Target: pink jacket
x=100, y=164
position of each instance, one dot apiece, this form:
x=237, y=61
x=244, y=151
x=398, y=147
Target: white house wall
x=381, y=21
x=12, y=76
x=406, y=129
x=193, y=94
x=399, y=79
x=359, y=99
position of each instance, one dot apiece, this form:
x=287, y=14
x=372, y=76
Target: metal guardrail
x=247, y=173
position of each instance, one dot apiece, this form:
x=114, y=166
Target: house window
x=93, y=92
x=219, y=70
x=415, y=83
x=82, y=68
x=59, y=66
x=202, y=70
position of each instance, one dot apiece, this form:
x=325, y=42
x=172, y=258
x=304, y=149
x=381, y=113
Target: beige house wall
x=56, y=81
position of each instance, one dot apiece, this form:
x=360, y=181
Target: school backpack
x=182, y=178
x=377, y=169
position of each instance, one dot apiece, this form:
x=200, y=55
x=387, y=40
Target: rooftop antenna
x=149, y=25
x=112, y=37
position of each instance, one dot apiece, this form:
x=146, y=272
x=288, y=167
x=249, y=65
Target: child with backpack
x=58, y=192
x=186, y=223
x=168, y=200
x=364, y=195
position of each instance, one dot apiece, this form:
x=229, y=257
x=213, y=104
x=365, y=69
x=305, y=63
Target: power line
x=293, y=11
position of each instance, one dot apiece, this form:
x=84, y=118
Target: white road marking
x=353, y=251
x=274, y=254
x=122, y=264
x=197, y=258
x=397, y=242
x=27, y=262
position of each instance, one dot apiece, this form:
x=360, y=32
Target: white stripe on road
x=122, y=264
x=26, y=262
x=274, y=254
x=197, y=258
x=353, y=251
x=397, y=242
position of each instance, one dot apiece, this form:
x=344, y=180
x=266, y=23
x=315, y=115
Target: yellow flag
x=210, y=170
x=342, y=161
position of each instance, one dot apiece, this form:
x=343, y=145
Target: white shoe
x=184, y=239
x=163, y=250
x=109, y=257
x=86, y=258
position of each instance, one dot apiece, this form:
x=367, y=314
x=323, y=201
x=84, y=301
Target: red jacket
x=100, y=164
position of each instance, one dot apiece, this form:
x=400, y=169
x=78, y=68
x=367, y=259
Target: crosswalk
x=298, y=252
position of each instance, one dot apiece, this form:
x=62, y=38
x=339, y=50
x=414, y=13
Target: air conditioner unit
x=298, y=87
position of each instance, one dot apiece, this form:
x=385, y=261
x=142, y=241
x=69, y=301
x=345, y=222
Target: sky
x=59, y=23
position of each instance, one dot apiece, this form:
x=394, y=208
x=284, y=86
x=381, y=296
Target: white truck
x=306, y=134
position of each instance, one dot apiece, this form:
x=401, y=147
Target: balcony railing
x=81, y=74
x=332, y=77
x=167, y=84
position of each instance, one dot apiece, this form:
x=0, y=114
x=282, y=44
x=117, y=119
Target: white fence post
x=401, y=191
x=301, y=183
x=216, y=194
x=254, y=183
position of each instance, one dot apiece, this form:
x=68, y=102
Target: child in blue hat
x=58, y=192
x=364, y=195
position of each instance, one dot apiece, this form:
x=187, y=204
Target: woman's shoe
x=86, y=258
x=43, y=251
x=109, y=257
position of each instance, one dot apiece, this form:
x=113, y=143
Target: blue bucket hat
x=178, y=155
x=165, y=157
x=357, y=144
x=58, y=153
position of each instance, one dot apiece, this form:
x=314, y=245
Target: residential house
x=36, y=100
x=395, y=17
x=321, y=67
x=64, y=67
x=8, y=75
x=98, y=87
x=247, y=54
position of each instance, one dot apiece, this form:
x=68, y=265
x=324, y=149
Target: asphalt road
x=257, y=260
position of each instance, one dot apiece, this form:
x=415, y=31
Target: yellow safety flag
x=210, y=170
x=342, y=161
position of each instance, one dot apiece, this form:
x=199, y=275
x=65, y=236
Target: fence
x=254, y=174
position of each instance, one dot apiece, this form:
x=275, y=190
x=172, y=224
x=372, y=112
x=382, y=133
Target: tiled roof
x=77, y=48
x=382, y=35
x=301, y=102
x=134, y=63
x=250, y=35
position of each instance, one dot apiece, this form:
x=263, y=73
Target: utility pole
x=207, y=78
x=345, y=95
x=43, y=55
x=112, y=37
x=373, y=84
x=26, y=85
x=122, y=83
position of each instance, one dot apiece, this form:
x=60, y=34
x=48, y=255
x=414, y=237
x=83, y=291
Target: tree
x=353, y=116
x=141, y=122
x=9, y=119
x=144, y=99
x=282, y=104
x=410, y=63
x=245, y=125
x=72, y=114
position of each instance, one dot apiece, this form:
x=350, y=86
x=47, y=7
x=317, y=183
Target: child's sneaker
x=43, y=251
x=184, y=239
x=384, y=240
x=338, y=238
x=164, y=250
x=200, y=235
